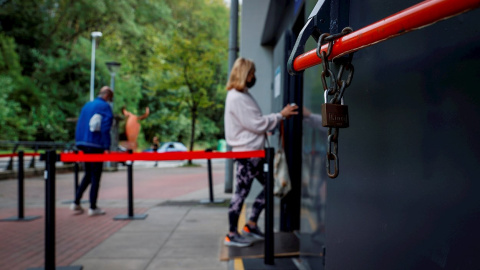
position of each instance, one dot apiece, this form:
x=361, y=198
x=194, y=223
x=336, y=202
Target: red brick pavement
x=22, y=243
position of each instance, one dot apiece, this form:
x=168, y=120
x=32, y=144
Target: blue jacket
x=97, y=139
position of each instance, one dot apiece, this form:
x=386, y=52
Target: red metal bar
x=81, y=157
x=410, y=19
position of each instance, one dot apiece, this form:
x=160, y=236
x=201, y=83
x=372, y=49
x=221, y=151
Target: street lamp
x=95, y=35
x=113, y=67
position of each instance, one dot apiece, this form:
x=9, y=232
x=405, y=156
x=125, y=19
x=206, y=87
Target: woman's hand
x=289, y=110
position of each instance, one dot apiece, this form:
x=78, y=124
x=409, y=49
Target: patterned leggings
x=247, y=170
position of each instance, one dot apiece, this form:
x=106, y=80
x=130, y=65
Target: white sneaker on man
x=95, y=212
x=77, y=208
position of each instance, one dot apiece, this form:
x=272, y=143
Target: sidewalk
x=178, y=233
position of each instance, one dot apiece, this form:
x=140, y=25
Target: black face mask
x=251, y=83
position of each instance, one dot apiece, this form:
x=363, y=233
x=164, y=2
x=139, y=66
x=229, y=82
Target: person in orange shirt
x=132, y=127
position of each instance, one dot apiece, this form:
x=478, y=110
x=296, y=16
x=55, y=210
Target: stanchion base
x=71, y=201
x=207, y=201
x=127, y=217
x=28, y=218
x=73, y=267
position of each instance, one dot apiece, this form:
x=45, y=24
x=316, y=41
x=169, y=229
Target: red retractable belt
x=115, y=156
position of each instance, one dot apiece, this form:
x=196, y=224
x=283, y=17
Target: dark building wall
x=407, y=193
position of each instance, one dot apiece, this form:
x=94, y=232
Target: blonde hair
x=238, y=76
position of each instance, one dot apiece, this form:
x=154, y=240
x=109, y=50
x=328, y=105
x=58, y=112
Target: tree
x=11, y=128
x=53, y=42
x=173, y=56
x=192, y=61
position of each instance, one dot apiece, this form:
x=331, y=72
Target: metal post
x=20, y=185
x=92, y=70
x=113, y=68
x=232, y=56
x=269, y=205
x=112, y=81
x=21, y=195
x=210, y=182
x=10, y=165
x=114, y=130
x=76, y=169
x=51, y=158
x=130, y=214
x=130, y=186
x=32, y=162
x=233, y=38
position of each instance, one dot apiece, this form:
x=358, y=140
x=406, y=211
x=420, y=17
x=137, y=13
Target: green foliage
x=173, y=56
x=191, y=63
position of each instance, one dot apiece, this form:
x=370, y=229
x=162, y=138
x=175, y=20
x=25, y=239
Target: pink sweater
x=245, y=126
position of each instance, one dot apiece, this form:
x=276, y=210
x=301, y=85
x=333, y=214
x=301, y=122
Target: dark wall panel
x=408, y=192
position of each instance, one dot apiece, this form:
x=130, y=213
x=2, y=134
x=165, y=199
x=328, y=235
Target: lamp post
x=113, y=68
x=95, y=35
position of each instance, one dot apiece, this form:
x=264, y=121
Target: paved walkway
x=179, y=232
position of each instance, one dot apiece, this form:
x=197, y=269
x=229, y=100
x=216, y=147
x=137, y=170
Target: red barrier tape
x=115, y=156
x=16, y=155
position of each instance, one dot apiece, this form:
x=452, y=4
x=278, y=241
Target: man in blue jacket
x=92, y=135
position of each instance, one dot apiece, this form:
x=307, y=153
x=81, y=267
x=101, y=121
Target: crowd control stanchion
x=21, y=176
x=130, y=214
x=269, y=236
x=51, y=158
x=76, y=169
x=210, y=183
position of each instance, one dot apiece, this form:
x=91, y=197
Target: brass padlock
x=334, y=115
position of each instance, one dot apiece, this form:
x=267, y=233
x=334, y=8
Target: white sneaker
x=77, y=208
x=95, y=212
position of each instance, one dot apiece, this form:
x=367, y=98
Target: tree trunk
x=192, y=130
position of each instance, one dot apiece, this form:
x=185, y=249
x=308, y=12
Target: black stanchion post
x=76, y=170
x=20, y=185
x=210, y=182
x=130, y=214
x=10, y=164
x=21, y=189
x=130, y=186
x=269, y=236
x=50, y=170
x=32, y=161
x=50, y=210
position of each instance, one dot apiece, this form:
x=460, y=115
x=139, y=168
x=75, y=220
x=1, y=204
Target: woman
x=245, y=129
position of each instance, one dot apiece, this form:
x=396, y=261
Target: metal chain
x=336, y=88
